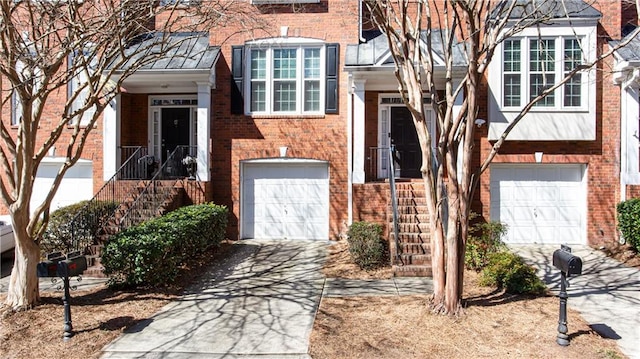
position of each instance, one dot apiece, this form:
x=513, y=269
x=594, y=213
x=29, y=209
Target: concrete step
x=414, y=248
x=412, y=209
x=411, y=227
x=411, y=237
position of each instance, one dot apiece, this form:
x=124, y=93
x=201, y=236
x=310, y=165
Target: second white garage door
x=540, y=203
x=287, y=200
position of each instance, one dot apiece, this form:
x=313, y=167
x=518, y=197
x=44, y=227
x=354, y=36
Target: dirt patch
x=494, y=325
x=340, y=265
x=99, y=316
x=624, y=253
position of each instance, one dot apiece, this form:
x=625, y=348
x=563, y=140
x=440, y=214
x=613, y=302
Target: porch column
x=359, y=152
x=204, y=130
x=111, y=138
x=629, y=141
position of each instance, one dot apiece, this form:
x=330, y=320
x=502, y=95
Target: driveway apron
x=607, y=294
x=259, y=302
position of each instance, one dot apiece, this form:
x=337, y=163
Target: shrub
x=63, y=234
x=507, y=270
x=629, y=221
x=151, y=253
x=367, y=247
x=484, y=240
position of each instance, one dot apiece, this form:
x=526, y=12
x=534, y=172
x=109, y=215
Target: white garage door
x=77, y=184
x=285, y=200
x=540, y=203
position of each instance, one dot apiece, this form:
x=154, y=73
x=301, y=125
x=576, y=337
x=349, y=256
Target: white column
x=204, y=130
x=630, y=134
x=110, y=138
x=359, y=150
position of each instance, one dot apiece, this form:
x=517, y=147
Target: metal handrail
x=394, y=202
x=109, y=192
x=152, y=189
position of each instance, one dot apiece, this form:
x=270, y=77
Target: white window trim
x=285, y=43
x=75, y=83
x=587, y=37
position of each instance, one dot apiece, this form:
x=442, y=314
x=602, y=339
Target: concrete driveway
x=607, y=294
x=259, y=302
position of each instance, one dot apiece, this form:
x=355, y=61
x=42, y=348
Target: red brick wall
x=601, y=156
x=370, y=203
x=238, y=137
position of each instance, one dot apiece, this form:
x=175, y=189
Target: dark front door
x=175, y=130
x=408, y=157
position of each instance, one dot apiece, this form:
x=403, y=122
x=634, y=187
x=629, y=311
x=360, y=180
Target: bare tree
x=83, y=48
x=419, y=30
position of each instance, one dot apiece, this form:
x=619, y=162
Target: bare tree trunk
x=23, y=292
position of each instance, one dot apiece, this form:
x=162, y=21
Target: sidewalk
x=607, y=294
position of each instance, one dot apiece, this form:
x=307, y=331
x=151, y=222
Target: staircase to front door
x=411, y=253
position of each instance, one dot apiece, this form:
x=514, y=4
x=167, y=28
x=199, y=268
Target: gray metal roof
x=174, y=51
x=376, y=50
x=631, y=52
x=547, y=9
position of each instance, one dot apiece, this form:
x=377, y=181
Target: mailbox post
x=568, y=264
x=58, y=265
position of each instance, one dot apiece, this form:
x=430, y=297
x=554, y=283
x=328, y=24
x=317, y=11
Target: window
x=16, y=109
x=285, y=76
x=532, y=65
x=79, y=86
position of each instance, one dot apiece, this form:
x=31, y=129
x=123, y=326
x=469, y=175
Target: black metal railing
x=155, y=196
x=139, y=165
x=85, y=226
x=394, y=202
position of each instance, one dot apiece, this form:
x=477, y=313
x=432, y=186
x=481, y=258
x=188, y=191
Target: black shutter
x=331, y=81
x=237, y=72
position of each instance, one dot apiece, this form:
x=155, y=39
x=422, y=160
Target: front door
x=175, y=130
x=408, y=156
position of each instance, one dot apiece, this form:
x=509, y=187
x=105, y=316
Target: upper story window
x=531, y=65
x=287, y=78
x=79, y=86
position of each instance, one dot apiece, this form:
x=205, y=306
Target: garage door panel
x=291, y=200
x=539, y=203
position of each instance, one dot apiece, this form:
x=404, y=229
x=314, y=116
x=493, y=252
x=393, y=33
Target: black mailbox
x=73, y=266
x=49, y=268
x=567, y=262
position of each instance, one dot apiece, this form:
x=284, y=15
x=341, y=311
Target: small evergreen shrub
x=367, y=247
x=629, y=221
x=151, y=254
x=507, y=270
x=63, y=234
x=484, y=240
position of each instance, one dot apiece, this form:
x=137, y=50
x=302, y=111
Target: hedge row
x=629, y=221
x=150, y=254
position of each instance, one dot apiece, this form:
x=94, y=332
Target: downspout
x=350, y=152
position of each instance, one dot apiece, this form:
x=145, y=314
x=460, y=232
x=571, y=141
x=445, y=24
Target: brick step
x=412, y=201
x=412, y=271
x=412, y=210
x=411, y=227
x=411, y=237
x=414, y=259
x=410, y=193
x=414, y=248
x=95, y=272
x=410, y=218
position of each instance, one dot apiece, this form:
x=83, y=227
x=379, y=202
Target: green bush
x=507, y=270
x=367, y=247
x=63, y=234
x=150, y=254
x=629, y=221
x=484, y=240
